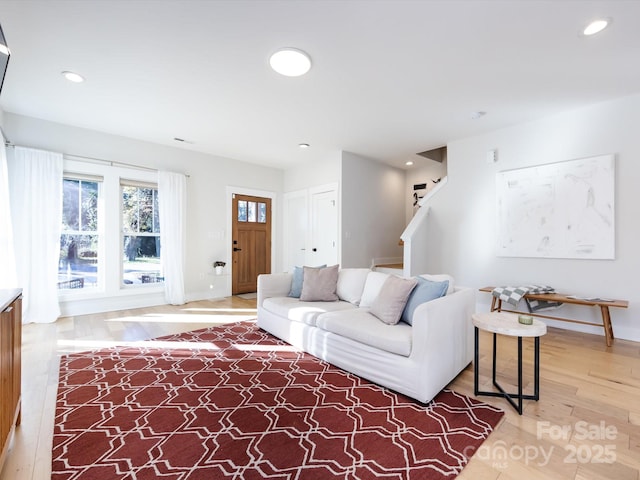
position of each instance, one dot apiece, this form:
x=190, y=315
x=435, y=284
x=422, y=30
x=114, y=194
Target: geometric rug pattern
x=233, y=402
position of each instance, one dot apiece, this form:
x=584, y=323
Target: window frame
x=82, y=300
x=126, y=182
x=99, y=232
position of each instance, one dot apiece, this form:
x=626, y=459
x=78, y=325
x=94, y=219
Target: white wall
x=208, y=238
x=313, y=174
x=373, y=203
x=464, y=220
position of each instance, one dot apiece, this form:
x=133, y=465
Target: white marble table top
x=507, y=324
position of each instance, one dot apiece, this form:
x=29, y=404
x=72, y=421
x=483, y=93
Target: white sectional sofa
x=416, y=360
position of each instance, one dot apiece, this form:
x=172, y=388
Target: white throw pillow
x=441, y=278
x=372, y=287
x=351, y=284
x=389, y=305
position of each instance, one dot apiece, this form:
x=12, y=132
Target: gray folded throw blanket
x=513, y=295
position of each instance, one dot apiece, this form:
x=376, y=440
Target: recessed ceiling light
x=477, y=115
x=73, y=77
x=290, y=62
x=596, y=26
x=408, y=163
x=303, y=145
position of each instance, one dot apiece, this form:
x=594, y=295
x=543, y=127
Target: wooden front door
x=251, y=237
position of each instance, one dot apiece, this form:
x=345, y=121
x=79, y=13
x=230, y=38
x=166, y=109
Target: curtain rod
x=111, y=163
x=84, y=158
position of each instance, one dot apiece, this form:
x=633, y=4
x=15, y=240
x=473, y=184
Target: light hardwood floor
x=589, y=410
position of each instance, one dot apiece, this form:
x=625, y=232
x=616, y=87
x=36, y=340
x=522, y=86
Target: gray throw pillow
x=319, y=284
x=389, y=304
x=296, y=281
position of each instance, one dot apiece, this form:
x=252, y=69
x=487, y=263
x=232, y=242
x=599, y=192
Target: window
x=80, y=238
x=140, y=234
x=110, y=234
x=252, y=212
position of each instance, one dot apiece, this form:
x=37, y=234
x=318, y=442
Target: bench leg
x=606, y=322
x=496, y=304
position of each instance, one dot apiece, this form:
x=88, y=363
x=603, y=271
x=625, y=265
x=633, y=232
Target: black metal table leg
x=519, y=396
x=536, y=369
x=475, y=361
x=520, y=375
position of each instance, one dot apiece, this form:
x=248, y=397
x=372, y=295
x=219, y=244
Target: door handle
x=236, y=249
x=314, y=249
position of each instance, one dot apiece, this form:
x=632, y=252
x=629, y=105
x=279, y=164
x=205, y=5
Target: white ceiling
x=389, y=78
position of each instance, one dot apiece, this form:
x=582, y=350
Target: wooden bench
x=604, y=304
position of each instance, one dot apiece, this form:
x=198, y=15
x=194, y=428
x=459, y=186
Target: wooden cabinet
x=10, y=366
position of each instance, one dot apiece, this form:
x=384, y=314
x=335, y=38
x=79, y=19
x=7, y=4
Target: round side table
x=502, y=323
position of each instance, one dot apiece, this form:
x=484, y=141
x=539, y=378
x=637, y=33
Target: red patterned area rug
x=233, y=402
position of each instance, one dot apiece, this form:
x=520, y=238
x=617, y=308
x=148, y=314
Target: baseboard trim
x=109, y=304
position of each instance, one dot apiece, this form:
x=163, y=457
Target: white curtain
x=35, y=183
x=7, y=257
x=172, y=198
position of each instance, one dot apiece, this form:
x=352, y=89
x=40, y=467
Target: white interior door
x=295, y=229
x=324, y=228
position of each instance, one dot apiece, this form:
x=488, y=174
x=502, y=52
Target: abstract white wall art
x=558, y=210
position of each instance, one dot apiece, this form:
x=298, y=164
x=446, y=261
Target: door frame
x=230, y=191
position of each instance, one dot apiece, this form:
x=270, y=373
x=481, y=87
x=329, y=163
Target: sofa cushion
x=361, y=326
x=441, y=277
x=389, y=304
x=296, y=281
x=303, y=312
x=372, y=287
x=351, y=284
x=319, y=284
x=425, y=291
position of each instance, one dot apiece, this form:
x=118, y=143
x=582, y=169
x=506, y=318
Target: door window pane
x=262, y=212
x=242, y=210
x=252, y=211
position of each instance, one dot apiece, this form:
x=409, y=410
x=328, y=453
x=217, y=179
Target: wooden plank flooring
x=585, y=426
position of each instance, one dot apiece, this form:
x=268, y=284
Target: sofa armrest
x=443, y=335
x=273, y=285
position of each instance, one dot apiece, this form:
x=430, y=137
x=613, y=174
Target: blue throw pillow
x=425, y=291
x=296, y=281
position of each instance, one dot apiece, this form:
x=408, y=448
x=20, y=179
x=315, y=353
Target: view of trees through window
x=78, y=264
x=141, y=235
